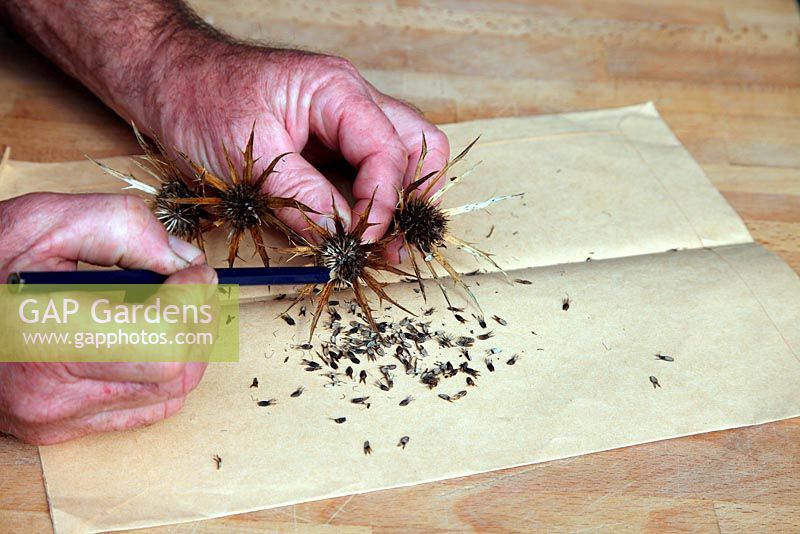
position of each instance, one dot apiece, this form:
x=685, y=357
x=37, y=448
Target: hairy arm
x=120, y=50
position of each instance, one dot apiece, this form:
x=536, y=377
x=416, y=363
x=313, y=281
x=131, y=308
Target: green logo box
x=119, y=323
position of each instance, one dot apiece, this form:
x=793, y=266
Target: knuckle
x=27, y=412
x=168, y=371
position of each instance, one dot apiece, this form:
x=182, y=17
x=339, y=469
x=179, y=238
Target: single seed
x=339, y=420
x=367, y=448
x=470, y=381
x=270, y=402
x=654, y=381
x=523, y=281
x=487, y=335
x=513, y=359
x=500, y=320
x=303, y=311
x=359, y=400
x=406, y=401
x=429, y=311
x=403, y=442
x=565, y=303
x=362, y=377
x=298, y=392
x=489, y=365
x=460, y=319
x=288, y=318
x=445, y=396
x=665, y=358
x=254, y=384
x=217, y=460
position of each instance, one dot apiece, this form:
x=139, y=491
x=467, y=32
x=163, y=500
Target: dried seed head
x=242, y=205
x=423, y=224
x=182, y=220
x=345, y=255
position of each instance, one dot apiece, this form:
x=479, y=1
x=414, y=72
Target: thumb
x=110, y=230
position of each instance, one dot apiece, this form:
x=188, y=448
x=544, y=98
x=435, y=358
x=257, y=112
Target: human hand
x=296, y=100
x=52, y=402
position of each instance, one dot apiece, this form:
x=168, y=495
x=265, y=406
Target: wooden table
x=725, y=75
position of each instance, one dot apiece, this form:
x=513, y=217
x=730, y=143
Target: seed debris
x=217, y=460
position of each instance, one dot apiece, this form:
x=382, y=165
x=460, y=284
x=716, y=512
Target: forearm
x=120, y=50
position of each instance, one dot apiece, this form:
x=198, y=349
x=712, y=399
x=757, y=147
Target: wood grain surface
x=725, y=74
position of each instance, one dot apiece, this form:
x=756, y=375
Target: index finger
x=366, y=138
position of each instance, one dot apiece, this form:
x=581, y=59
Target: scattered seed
x=367, y=448
x=302, y=311
x=489, y=365
x=654, y=381
x=487, y=335
x=362, y=377
x=514, y=359
x=288, y=318
x=565, y=303
x=254, y=384
x=217, y=460
x=298, y=392
x=665, y=358
x=494, y=350
x=229, y=319
x=499, y=320
x=270, y=402
x=445, y=396
x=459, y=318
x=523, y=281
x=339, y=420
x=403, y=442
x=429, y=312
x=311, y=365
x=406, y=401
x=470, y=381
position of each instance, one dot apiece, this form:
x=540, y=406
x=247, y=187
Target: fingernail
x=184, y=250
x=403, y=254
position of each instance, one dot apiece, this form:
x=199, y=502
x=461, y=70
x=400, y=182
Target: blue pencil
x=243, y=276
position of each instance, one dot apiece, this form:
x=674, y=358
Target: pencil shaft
x=243, y=276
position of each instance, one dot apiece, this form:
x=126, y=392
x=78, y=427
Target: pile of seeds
x=351, y=350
